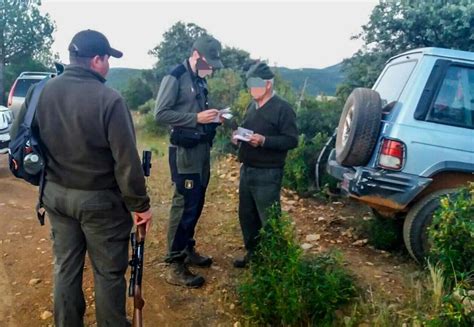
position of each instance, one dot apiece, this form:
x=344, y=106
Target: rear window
x=391, y=85
x=22, y=87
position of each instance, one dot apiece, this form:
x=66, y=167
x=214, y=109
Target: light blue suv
x=409, y=140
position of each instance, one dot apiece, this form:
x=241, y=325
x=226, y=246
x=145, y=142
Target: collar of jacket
x=82, y=72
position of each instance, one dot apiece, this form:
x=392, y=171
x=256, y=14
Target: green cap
x=260, y=70
x=210, y=48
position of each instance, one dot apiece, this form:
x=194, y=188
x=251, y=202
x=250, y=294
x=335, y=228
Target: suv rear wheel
x=358, y=127
x=419, y=218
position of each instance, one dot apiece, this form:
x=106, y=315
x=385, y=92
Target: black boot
x=193, y=258
x=242, y=262
x=179, y=274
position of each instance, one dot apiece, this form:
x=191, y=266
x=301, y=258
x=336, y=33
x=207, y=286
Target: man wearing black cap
x=182, y=104
x=94, y=180
x=272, y=121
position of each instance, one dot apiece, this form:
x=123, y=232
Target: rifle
x=137, y=240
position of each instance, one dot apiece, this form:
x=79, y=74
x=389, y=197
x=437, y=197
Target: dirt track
x=25, y=253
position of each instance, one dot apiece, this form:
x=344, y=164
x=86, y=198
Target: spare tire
x=358, y=127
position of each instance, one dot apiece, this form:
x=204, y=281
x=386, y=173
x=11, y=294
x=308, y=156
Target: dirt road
x=26, y=260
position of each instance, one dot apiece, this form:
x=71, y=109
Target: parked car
x=409, y=140
x=6, y=120
x=20, y=87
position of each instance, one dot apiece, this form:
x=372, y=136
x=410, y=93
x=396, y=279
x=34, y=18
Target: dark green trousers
x=99, y=223
x=259, y=189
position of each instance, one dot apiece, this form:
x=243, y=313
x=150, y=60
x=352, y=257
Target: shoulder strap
x=31, y=110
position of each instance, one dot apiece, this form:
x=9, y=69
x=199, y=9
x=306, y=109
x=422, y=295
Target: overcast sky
x=292, y=34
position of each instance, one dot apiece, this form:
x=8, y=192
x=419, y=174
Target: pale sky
x=308, y=34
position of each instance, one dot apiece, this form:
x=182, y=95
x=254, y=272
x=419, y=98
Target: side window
x=454, y=103
x=391, y=84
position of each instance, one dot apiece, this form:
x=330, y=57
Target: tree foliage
x=175, y=47
x=398, y=26
x=24, y=34
x=137, y=93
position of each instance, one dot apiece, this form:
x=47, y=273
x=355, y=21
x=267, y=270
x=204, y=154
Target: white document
x=243, y=134
x=226, y=113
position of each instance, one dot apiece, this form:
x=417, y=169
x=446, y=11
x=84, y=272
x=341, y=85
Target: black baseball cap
x=210, y=48
x=89, y=43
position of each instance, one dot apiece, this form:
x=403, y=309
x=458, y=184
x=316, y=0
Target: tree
x=175, y=47
x=236, y=59
x=397, y=26
x=24, y=33
x=137, y=93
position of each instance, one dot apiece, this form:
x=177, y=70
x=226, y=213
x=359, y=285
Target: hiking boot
x=193, y=258
x=242, y=262
x=179, y=274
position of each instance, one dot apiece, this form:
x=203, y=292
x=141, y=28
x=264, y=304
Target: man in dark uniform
x=93, y=180
x=272, y=121
x=182, y=104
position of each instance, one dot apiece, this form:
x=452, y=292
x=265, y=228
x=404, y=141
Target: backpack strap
x=30, y=114
x=31, y=110
x=40, y=211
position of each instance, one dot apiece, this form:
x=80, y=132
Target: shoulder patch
x=178, y=71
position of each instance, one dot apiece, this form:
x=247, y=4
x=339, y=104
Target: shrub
x=150, y=126
x=137, y=92
x=452, y=234
x=283, y=287
x=384, y=233
x=300, y=164
x=147, y=107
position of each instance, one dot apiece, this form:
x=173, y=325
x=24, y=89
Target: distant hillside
x=319, y=80
x=117, y=78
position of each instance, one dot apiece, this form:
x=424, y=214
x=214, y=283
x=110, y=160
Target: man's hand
x=207, y=116
x=256, y=140
x=234, y=141
x=140, y=218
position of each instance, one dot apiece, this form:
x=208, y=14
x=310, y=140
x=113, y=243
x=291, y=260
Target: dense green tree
x=137, y=93
x=24, y=33
x=397, y=26
x=175, y=47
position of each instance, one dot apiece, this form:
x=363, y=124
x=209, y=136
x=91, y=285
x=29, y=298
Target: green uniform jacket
x=177, y=104
x=88, y=135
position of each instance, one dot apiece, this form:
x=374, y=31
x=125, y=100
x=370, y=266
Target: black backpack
x=26, y=157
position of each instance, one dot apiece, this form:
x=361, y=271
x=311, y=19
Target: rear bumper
x=381, y=189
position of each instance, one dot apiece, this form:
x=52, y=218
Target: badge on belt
x=188, y=184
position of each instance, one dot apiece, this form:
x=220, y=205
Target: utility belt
x=190, y=137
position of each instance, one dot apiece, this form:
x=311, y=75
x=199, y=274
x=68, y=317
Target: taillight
x=392, y=154
x=10, y=95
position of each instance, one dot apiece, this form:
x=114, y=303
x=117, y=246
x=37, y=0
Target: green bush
x=147, y=107
x=283, y=287
x=452, y=237
x=384, y=233
x=300, y=165
x=137, y=92
x=150, y=125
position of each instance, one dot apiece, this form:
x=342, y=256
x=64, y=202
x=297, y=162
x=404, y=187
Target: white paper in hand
x=243, y=134
x=226, y=113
